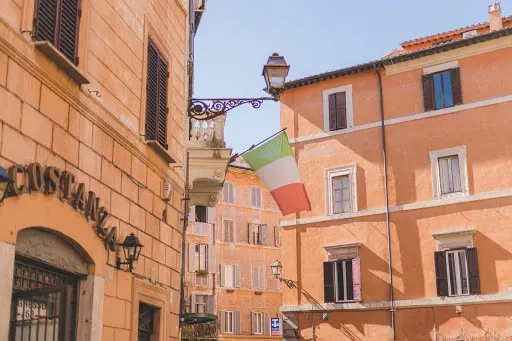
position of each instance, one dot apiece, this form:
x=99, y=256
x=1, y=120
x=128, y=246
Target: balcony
x=208, y=160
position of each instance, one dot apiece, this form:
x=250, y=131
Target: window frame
x=232, y=283
x=259, y=317
x=205, y=214
x=224, y=220
x=258, y=203
x=441, y=75
x=231, y=320
x=202, y=304
x=233, y=192
x=197, y=255
x=351, y=171
x=458, y=272
x=460, y=152
x=345, y=286
x=349, y=107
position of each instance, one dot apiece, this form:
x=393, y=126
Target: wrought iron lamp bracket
x=203, y=109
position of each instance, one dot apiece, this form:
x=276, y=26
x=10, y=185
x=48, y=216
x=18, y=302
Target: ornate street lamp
x=5, y=180
x=274, y=72
x=131, y=249
x=277, y=270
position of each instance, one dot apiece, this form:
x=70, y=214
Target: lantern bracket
x=203, y=109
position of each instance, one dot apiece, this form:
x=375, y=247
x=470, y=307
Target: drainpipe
x=386, y=194
x=183, y=244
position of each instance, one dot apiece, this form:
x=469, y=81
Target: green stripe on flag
x=268, y=152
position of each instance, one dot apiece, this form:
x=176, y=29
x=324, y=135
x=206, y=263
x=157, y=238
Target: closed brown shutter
x=328, y=282
x=428, y=92
x=474, y=277
x=341, y=110
x=156, y=97
x=456, y=86
x=69, y=21
x=332, y=112
x=441, y=273
x=45, y=19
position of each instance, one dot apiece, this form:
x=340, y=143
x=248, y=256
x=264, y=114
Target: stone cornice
x=12, y=43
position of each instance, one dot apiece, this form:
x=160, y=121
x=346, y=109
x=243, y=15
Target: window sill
x=161, y=151
x=452, y=195
x=62, y=62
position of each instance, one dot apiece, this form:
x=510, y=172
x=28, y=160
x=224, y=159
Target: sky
x=236, y=37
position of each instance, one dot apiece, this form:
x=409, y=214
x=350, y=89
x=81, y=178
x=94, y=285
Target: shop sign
x=52, y=181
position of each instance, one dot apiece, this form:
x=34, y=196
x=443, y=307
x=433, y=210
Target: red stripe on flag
x=292, y=198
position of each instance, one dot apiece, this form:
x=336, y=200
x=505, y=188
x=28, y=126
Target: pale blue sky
x=236, y=37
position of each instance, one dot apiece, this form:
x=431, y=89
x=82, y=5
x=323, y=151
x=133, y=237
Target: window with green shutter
x=58, y=21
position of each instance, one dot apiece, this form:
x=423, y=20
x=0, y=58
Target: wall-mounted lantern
x=131, y=249
x=277, y=270
x=275, y=73
x=5, y=180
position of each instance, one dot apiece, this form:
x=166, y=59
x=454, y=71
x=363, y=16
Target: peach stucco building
x=95, y=135
x=230, y=249
x=406, y=161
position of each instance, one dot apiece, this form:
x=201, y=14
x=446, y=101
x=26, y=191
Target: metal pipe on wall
x=386, y=194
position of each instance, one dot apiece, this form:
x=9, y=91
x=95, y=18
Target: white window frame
x=229, y=316
x=345, y=291
x=460, y=152
x=254, y=188
x=203, y=304
x=234, y=192
x=350, y=111
x=197, y=255
x=232, y=283
x=458, y=279
x=351, y=171
x=257, y=234
x=224, y=227
x=259, y=323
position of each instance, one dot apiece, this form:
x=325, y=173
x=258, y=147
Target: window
x=201, y=214
x=228, y=235
x=201, y=257
x=230, y=275
x=255, y=197
x=277, y=236
x=442, y=89
x=228, y=193
x=58, y=22
x=449, y=172
x=337, y=108
x=258, y=278
x=341, y=190
x=200, y=304
x=342, y=280
x=230, y=322
x=258, y=234
x=257, y=323
x=457, y=272
x=146, y=322
x=156, y=96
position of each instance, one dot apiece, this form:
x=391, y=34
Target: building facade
x=405, y=160
x=95, y=138
x=230, y=249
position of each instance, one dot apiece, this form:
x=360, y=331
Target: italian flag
x=275, y=165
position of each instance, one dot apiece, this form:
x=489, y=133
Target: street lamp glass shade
x=131, y=248
x=276, y=267
x=275, y=73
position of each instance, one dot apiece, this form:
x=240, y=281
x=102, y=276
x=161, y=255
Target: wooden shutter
x=328, y=282
x=261, y=279
x=341, y=110
x=210, y=215
x=356, y=278
x=193, y=303
x=332, y=112
x=209, y=304
x=254, y=278
x=191, y=257
x=266, y=324
x=428, y=92
x=192, y=214
x=236, y=322
x=231, y=231
x=156, y=96
x=45, y=20
x=251, y=240
x=277, y=236
x=211, y=259
x=221, y=320
x=253, y=323
x=441, y=273
x=222, y=275
x=69, y=21
x=456, y=86
x=264, y=234
x=237, y=275
x=474, y=277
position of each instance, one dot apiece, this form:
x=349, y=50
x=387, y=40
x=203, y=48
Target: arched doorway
x=49, y=270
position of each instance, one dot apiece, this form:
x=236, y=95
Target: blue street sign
x=275, y=326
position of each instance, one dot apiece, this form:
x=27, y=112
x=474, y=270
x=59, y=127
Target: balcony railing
x=202, y=229
x=208, y=132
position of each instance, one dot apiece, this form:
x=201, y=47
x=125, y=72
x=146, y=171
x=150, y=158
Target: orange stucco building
x=406, y=162
x=230, y=249
x=95, y=137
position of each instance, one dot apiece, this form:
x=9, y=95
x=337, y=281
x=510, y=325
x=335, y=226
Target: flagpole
x=234, y=157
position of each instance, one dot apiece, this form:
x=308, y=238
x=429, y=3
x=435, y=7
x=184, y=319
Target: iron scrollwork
x=209, y=108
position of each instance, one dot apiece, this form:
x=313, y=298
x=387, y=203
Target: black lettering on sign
x=66, y=182
x=92, y=210
x=16, y=188
x=35, y=177
x=52, y=177
x=110, y=238
x=102, y=220
x=79, y=198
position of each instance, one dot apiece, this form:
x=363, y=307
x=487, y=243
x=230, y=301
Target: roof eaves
x=396, y=59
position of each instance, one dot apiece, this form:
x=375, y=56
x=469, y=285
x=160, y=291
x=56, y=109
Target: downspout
x=386, y=194
x=183, y=242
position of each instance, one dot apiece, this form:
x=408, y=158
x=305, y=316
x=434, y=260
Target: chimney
x=495, y=21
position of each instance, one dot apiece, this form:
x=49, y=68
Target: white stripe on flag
x=279, y=173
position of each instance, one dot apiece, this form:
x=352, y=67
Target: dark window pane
x=447, y=83
x=350, y=285
x=339, y=274
x=438, y=91
x=452, y=274
x=201, y=214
